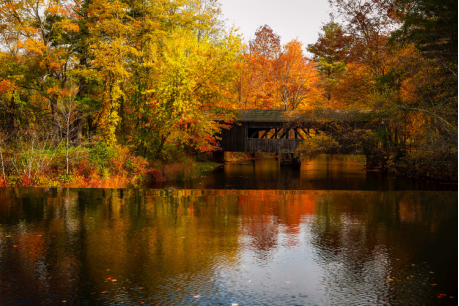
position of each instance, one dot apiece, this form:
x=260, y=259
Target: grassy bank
x=98, y=167
x=236, y=156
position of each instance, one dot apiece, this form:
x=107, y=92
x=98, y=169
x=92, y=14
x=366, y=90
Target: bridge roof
x=263, y=115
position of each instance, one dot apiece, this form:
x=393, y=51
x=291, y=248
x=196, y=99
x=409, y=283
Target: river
x=249, y=233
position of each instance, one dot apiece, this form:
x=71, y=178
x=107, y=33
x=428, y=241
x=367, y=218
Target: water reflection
x=227, y=246
x=326, y=172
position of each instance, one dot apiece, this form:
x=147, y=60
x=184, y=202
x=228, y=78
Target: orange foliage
x=277, y=77
x=6, y=86
x=354, y=89
x=296, y=79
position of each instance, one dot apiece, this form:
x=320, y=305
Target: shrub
x=100, y=156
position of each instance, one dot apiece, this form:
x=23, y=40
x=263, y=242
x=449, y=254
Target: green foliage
x=432, y=25
x=100, y=156
x=331, y=52
x=314, y=146
x=383, y=135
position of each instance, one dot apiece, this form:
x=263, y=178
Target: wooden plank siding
x=234, y=139
x=237, y=139
x=272, y=145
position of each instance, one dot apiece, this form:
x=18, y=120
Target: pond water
x=326, y=172
x=358, y=243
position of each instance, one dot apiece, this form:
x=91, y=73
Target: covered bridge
x=278, y=131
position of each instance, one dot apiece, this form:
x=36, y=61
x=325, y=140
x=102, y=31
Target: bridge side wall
x=272, y=145
x=234, y=139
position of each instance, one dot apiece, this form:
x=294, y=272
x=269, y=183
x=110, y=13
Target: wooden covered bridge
x=278, y=131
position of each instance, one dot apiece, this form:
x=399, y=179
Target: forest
x=107, y=93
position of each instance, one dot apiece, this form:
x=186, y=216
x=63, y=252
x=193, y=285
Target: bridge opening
x=279, y=133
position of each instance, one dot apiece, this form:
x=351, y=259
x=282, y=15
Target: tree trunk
x=11, y=125
x=91, y=128
x=55, y=129
x=78, y=131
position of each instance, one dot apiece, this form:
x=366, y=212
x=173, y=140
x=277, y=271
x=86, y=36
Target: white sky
x=290, y=19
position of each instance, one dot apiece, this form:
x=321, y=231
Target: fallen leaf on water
x=196, y=296
x=390, y=279
x=287, y=282
x=407, y=277
x=15, y=245
x=433, y=284
x=413, y=265
x=114, y=280
x=107, y=270
x=323, y=261
x=234, y=304
x=140, y=288
x=431, y=272
x=8, y=236
x=104, y=292
x=451, y=297
x=178, y=289
x=250, y=280
x=110, y=277
x=64, y=301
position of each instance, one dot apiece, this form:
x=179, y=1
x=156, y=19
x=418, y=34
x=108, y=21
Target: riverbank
x=417, y=165
x=98, y=167
x=159, y=173
x=240, y=156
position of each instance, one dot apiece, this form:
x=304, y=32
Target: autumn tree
x=295, y=77
x=403, y=61
x=331, y=52
x=187, y=89
x=32, y=31
x=180, y=73
x=256, y=79
x=369, y=24
x=266, y=43
x=432, y=27
x=275, y=76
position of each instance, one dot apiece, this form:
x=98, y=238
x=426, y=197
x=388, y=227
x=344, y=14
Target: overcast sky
x=290, y=19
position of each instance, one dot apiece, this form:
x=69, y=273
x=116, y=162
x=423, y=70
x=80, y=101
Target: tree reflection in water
x=246, y=246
